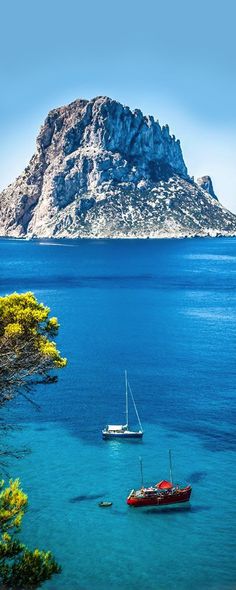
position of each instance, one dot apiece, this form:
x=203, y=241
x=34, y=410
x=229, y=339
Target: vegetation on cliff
x=28, y=353
x=20, y=568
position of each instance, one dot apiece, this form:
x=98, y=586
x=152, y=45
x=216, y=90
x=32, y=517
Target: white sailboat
x=123, y=430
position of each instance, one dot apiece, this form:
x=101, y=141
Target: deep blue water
x=165, y=311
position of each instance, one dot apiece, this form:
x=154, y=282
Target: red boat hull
x=163, y=499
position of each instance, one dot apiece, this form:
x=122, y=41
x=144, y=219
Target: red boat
x=161, y=494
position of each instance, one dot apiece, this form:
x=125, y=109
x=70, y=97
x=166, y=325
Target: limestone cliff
x=102, y=170
x=205, y=182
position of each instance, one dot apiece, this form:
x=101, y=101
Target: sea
x=165, y=311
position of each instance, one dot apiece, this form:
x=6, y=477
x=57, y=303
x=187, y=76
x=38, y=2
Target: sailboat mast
x=170, y=462
x=141, y=469
x=126, y=400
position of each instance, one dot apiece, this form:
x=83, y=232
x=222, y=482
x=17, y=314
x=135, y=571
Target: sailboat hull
x=145, y=498
x=121, y=435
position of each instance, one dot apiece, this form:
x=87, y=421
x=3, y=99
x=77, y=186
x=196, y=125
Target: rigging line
x=126, y=400
x=135, y=407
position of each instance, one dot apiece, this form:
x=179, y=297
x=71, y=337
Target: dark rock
x=205, y=182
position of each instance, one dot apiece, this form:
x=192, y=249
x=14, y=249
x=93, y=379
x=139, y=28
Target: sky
x=174, y=60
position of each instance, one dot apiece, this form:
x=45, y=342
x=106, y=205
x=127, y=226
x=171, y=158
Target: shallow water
x=165, y=310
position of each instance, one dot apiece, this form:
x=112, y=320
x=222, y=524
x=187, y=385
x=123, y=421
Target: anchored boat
x=161, y=494
x=123, y=430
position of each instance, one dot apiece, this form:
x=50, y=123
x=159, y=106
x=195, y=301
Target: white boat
x=123, y=430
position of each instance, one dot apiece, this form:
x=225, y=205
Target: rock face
x=101, y=170
x=205, y=182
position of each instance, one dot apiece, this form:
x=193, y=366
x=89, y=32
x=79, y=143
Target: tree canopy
x=27, y=348
x=20, y=568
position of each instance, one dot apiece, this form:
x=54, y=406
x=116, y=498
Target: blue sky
x=172, y=59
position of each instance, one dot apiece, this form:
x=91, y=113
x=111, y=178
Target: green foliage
x=20, y=568
x=22, y=317
x=26, y=345
x=13, y=503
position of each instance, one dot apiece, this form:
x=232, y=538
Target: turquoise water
x=165, y=310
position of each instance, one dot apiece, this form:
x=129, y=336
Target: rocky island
x=101, y=170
